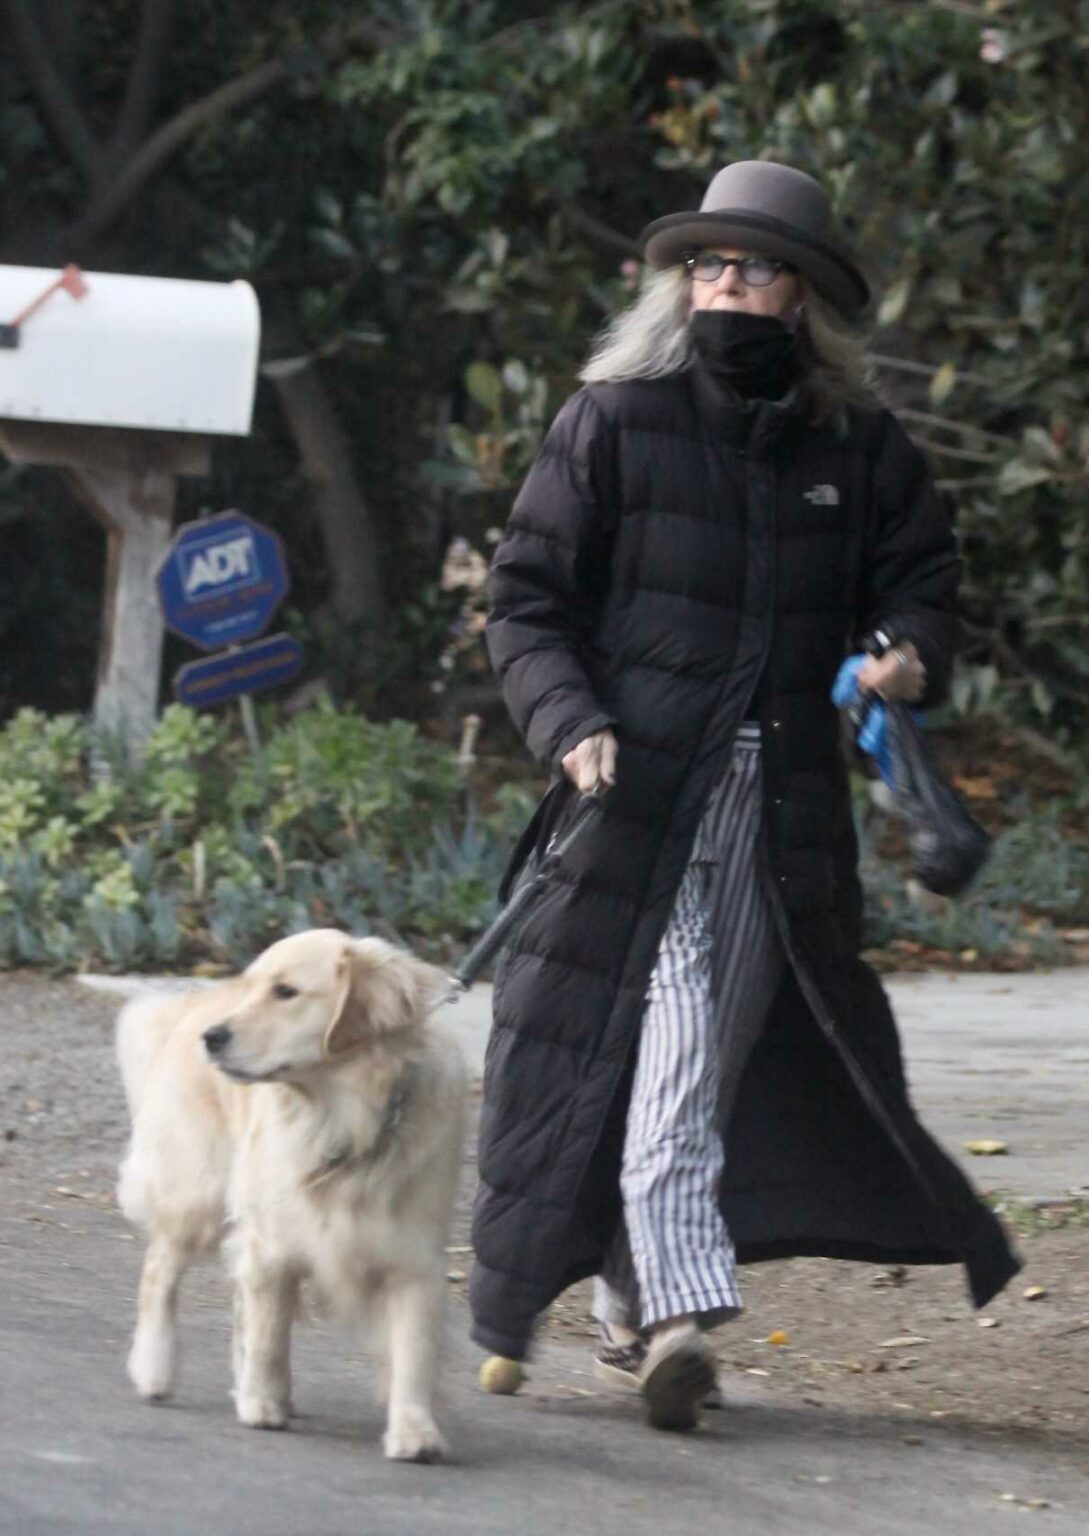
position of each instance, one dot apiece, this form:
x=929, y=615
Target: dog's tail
x=142, y=1025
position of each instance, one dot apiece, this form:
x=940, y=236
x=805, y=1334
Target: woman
x=689, y=1062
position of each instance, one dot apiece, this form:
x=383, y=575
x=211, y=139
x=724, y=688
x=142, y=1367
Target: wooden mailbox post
x=123, y=386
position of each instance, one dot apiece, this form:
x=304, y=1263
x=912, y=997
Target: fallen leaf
x=976, y=788
x=986, y=1148
x=780, y=1336
x=904, y=1341
x=1034, y=1292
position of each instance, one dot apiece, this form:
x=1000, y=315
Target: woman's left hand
x=899, y=674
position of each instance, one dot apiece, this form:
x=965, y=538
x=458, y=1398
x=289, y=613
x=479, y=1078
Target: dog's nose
x=216, y=1038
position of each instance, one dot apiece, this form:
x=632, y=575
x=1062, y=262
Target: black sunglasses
x=755, y=271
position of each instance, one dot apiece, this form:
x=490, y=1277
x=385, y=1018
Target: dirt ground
x=852, y=1338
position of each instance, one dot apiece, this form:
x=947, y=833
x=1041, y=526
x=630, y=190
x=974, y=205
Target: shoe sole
x=675, y=1386
x=616, y=1376
x=630, y=1381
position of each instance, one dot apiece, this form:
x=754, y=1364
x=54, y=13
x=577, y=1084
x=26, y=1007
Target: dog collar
x=349, y=1160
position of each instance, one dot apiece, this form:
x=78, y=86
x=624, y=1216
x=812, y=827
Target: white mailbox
x=152, y=353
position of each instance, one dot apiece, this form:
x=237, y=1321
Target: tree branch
x=1002, y=648
x=965, y=482
x=168, y=139
x=924, y=370
x=968, y=455
x=595, y=230
x=58, y=106
x=156, y=23
x=949, y=424
x=58, y=20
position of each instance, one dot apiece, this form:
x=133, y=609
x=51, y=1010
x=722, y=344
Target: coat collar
x=758, y=427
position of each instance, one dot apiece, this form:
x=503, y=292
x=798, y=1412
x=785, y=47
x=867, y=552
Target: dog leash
x=525, y=897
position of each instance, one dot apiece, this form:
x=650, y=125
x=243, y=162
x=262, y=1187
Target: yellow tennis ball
x=501, y=1376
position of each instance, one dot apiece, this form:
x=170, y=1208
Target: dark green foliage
x=442, y=221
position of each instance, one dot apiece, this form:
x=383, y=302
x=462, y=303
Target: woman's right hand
x=591, y=766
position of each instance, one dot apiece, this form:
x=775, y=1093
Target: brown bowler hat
x=773, y=210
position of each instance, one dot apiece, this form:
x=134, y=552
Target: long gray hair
x=650, y=340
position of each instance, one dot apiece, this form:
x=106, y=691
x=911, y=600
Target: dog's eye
x=284, y=992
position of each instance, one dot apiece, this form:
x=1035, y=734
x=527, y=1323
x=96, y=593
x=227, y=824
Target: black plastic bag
x=948, y=846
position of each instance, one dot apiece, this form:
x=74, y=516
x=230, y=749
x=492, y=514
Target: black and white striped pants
x=707, y=1000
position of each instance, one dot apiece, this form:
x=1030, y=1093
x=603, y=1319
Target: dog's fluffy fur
x=309, y=1111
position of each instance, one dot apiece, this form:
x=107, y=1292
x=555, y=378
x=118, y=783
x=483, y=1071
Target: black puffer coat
x=653, y=573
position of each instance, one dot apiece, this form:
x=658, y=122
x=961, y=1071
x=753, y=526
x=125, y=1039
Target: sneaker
x=678, y=1375
x=617, y=1363
x=621, y=1365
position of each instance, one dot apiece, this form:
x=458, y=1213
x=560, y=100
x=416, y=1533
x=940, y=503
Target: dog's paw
x=415, y=1437
x=151, y=1368
x=262, y=1412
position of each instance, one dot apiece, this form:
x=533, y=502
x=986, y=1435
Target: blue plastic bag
x=869, y=714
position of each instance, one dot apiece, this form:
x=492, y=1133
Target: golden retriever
x=309, y=1111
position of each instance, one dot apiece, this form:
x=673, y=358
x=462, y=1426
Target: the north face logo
x=823, y=496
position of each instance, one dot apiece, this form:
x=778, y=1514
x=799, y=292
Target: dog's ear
x=380, y=990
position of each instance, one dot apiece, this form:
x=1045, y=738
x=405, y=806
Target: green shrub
x=205, y=852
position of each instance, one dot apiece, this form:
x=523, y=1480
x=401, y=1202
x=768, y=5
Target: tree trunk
x=347, y=526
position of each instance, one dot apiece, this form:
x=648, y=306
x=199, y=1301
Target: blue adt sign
x=214, y=679
x=222, y=580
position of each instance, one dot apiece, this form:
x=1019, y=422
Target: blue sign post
x=221, y=581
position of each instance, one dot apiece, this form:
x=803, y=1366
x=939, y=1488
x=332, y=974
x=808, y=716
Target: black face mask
x=753, y=355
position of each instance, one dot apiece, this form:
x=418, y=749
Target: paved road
x=78, y=1454
x=1005, y=1058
